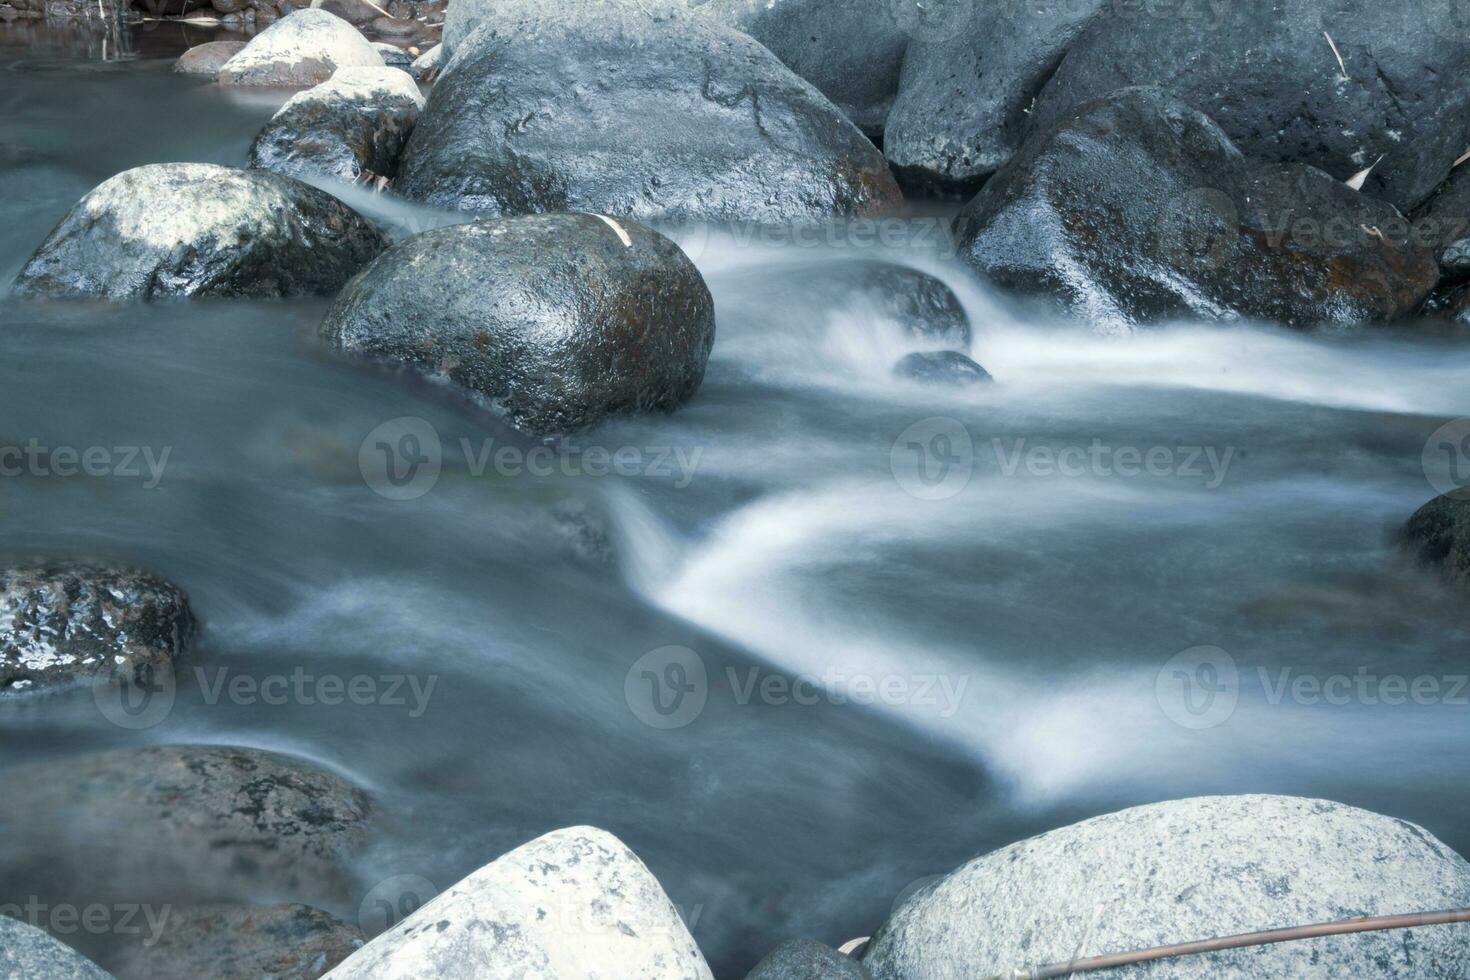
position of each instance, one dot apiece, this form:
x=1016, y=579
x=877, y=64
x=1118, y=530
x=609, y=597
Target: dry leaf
x=1356, y=180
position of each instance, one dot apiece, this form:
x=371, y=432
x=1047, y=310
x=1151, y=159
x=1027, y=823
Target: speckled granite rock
x=64, y=622
x=574, y=903
x=351, y=126
x=806, y=959
x=1439, y=535
x=1186, y=870
x=28, y=953
x=239, y=942
x=207, y=58
x=182, y=823
x=300, y=50
x=554, y=319
x=199, y=229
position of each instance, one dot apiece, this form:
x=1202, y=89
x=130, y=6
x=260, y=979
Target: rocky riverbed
x=783, y=489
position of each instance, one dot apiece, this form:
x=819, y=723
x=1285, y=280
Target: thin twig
x=1333, y=44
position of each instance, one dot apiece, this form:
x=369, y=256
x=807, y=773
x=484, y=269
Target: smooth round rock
x=28, y=953
x=352, y=126
x=199, y=229
x=1189, y=870
x=208, y=58
x=1439, y=536
x=806, y=959
x=426, y=66
x=941, y=367
x=556, y=320
x=300, y=50
x=67, y=622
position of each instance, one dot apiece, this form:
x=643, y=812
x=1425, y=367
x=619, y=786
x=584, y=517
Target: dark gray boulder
x=66, y=622
x=393, y=56
x=851, y=50
x=28, y=953
x=181, y=823
x=1443, y=221
x=806, y=959
x=1269, y=75
x=967, y=85
x=1138, y=208
x=351, y=127
x=640, y=110
x=558, y=320
x=208, y=58
x=941, y=367
x=238, y=942
x=199, y=229
x=1438, y=535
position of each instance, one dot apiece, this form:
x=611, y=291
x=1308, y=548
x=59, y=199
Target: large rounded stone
x=1439, y=535
x=300, y=50
x=1188, y=870
x=207, y=58
x=199, y=229
x=806, y=959
x=27, y=953
x=352, y=126
x=639, y=110
x=575, y=903
x=1137, y=208
x=558, y=320
x=64, y=622
x=182, y=823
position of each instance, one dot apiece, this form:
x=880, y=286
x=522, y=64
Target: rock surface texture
x=208, y=58
x=199, y=229
x=300, y=50
x=639, y=111
x=1137, y=208
x=65, y=622
x=1187, y=870
x=1439, y=535
x=28, y=953
x=805, y=959
x=558, y=320
x=574, y=903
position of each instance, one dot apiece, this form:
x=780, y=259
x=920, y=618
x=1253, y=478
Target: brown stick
x=1366, y=924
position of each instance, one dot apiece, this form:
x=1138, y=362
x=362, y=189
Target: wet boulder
x=393, y=56
x=851, y=50
x=208, y=58
x=967, y=86
x=27, y=952
x=62, y=623
x=1188, y=870
x=199, y=229
x=555, y=320
x=941, y=367
x=300, y=50
x=351, y=127
x=1438, y=535
x=1334, y=84
x=1443, y=222
x=574, y=903
x=806, y=959
x=237, y=942
x=1137, y=208
x=640, y=110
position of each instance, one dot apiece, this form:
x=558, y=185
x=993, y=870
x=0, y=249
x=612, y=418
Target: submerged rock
x=27, y=953
x=199, y=229
x=183, y=823
x=66, y=622
x=574, y=903
x=352, y=126
x=1137, y=208
x=208, y=58
x=1269, y=75
x=805, y=959
x=941, y=367
x=1188, y=870
x=558, y=320
x=1439, y=536
x=300, y=50
x=239, y=942
x=637, y=110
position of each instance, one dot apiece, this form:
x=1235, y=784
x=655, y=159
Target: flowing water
x=821, y=633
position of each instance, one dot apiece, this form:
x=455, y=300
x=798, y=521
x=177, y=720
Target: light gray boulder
x=1188, y=870
x=207, y=58
x=199, y=229
x=575, y=903
x=28, y=953
x=300, y=50
x=427, y=65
